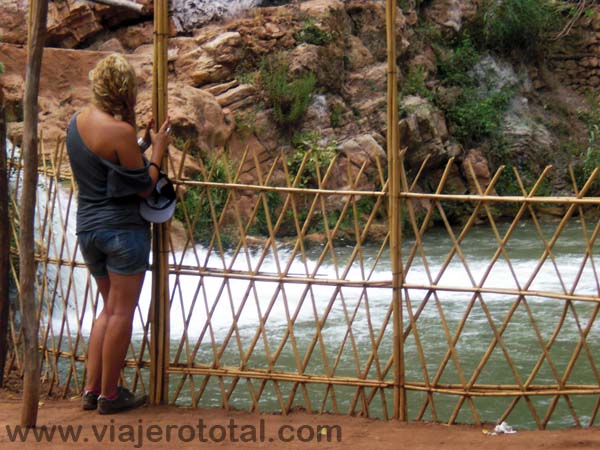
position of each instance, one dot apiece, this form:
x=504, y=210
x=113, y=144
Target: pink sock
x=112, y=396
x=91, y=389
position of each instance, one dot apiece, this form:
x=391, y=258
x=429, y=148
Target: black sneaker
x=89, y=400
x=125, y=400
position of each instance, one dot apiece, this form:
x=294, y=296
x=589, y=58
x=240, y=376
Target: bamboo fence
x=299, y=318
x=292, y=292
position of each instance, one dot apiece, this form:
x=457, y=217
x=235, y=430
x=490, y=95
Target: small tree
x=4, y=241
x=31, y=359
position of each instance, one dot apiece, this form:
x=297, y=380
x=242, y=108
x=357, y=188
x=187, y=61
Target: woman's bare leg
x=120, y=307
x=94, y=354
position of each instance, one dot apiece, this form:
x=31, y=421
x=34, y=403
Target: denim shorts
x=124, y=252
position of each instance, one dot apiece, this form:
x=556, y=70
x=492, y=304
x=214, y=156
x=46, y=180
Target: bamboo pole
x=4, y=242
x=38, y=12
x=159, y=310
x=394, y=162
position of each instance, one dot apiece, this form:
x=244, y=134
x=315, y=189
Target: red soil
x=236, y=429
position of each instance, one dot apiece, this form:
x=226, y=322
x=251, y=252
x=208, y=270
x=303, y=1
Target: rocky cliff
x=216, y=101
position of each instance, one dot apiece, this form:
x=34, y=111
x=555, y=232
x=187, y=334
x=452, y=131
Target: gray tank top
x=107, y=196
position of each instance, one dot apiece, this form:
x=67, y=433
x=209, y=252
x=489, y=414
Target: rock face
x=528, y=142
x=70, y=22
x=451, y=14
x=217, y=102
x=424, y=134
x=192, y=14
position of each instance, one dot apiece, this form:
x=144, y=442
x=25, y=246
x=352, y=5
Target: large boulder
x=62, y=92
x=359, y=155
x=423, y=132
x=196, y=116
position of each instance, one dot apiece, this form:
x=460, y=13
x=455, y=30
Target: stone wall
x=577, y=59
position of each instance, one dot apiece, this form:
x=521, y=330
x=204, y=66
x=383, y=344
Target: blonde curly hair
x=114, y=87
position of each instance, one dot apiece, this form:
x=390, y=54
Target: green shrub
x=247, y=77
x=288, y=98
x=505, y=25
x=318, y=161
x=197, y=201
x=475, y=117
x=245, y=122
x=312, y=34
x=453, y=68
x=273, y=203
x=591, y=154
x=415, y=84
x=335, y=118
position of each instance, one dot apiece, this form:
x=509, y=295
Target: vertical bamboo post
x=160, y=341
x=38, y=12
x=4, y=242
x=394, y=167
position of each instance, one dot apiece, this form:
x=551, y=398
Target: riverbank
x=167, y=427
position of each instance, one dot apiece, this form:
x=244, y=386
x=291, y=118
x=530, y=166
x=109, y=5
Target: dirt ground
x=167, y=427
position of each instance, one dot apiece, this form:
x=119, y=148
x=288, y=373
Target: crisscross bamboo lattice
x=280, y=294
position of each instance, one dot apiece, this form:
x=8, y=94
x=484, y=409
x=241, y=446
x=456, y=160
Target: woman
x=113, y=177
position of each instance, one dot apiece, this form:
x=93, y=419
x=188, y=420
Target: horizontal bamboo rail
x=509, y=292
x=277, y=376
x=505, y=391
x=81, y=358
x=503, y=199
